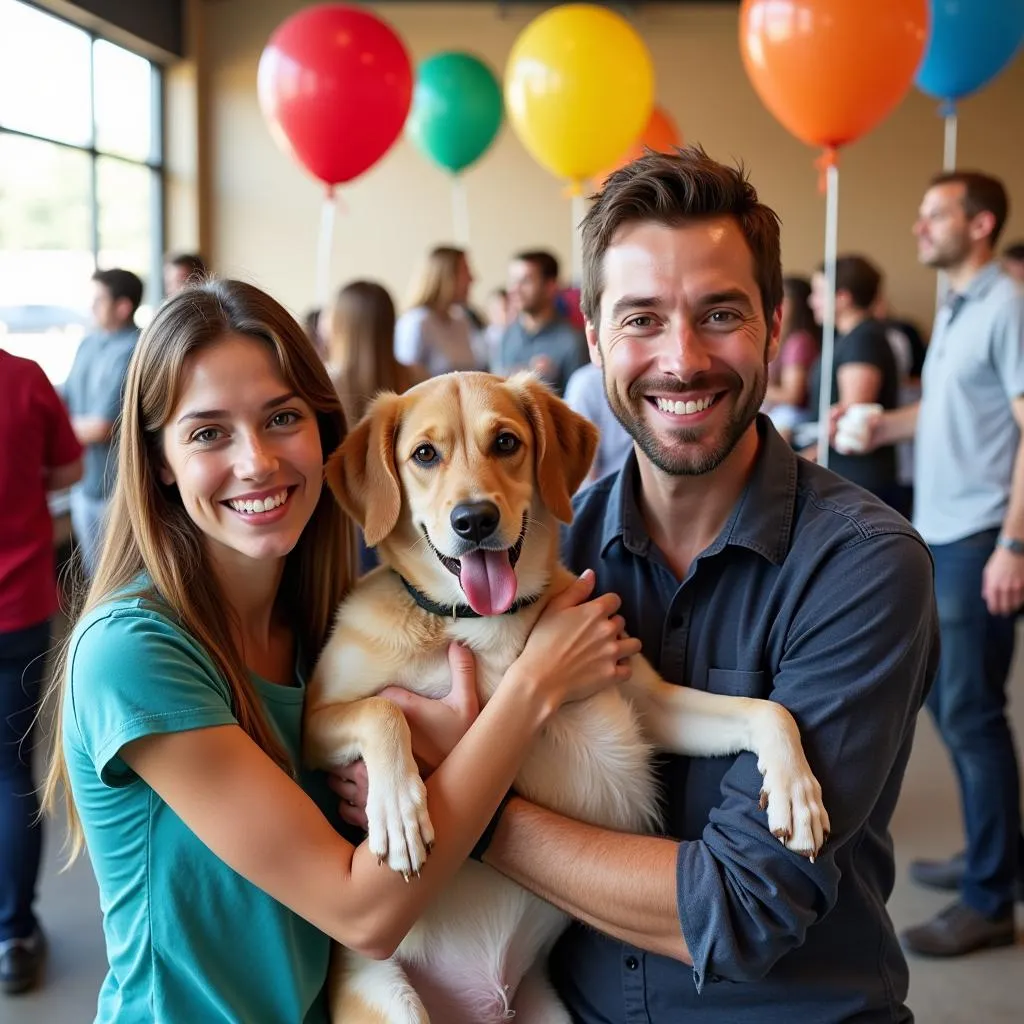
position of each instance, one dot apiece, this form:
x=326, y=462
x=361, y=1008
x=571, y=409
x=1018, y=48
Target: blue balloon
x=971, y=42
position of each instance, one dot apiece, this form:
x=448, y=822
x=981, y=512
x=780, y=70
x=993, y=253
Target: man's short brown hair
x=982, y=194
x=859, y=278
x=674, y=189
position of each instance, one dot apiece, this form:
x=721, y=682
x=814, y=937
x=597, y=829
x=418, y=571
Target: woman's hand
x=436, y=726
x=577, y=647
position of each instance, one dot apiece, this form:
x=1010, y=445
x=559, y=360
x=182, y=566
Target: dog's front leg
x=696, y=723
x=396, y=807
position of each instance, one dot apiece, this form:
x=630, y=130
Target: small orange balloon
x=660, y=134
x=831, y=70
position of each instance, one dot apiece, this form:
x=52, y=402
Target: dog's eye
x=505, y=444
x=425, y=454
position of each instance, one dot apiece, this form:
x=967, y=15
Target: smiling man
x=744, y=570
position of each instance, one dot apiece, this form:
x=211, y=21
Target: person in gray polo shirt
x=969, y=507
x=539, y=339
x=92, y=393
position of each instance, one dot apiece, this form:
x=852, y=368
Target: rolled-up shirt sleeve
x=857, y=654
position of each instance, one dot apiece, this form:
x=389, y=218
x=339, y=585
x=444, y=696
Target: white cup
x=853, y=431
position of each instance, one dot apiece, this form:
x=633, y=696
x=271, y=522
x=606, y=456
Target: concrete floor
x=981, y=988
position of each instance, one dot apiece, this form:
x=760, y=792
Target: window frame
x=155, y=162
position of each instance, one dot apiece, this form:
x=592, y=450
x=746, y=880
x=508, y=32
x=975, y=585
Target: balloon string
x=948, y=111
x=829, y=158
x=579, y=209
x=829, y=313
x=324, y=247
x=460, y=211
x=949, y=144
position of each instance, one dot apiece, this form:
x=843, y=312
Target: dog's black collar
x=458, y=611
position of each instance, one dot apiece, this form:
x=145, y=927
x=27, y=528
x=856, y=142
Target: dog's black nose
x=475, y=520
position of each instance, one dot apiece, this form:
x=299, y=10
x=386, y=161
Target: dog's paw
x=796, y=812
x=399, y=827
x=790, y=793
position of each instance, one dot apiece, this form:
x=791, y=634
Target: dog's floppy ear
x=362, y=474
x=565, y=444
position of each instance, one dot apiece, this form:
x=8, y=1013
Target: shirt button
x=632, y=963
x=676, y=622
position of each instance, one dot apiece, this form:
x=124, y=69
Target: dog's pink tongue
x=488, y=581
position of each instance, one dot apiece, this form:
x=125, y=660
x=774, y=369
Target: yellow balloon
x=579, y=88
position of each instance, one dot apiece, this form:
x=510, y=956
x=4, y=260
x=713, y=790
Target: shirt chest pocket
x=733, y=682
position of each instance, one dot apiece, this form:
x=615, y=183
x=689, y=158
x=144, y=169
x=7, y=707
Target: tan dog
x=460, y=484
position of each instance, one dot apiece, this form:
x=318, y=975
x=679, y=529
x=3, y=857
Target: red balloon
x=335, y=85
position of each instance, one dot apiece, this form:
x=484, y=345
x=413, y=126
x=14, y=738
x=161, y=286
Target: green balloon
x=456, y=110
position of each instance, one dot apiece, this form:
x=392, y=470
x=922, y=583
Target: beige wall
x=262, y=211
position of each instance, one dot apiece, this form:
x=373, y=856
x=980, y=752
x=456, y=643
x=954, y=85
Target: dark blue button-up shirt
x=817, y=596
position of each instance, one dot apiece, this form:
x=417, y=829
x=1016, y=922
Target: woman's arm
x=260, y=823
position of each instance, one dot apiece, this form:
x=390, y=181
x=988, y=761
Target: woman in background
x=787, y=401
x=360, y=335
x=435, y=335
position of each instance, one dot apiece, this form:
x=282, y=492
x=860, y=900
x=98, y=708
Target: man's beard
x=952, y=254
x=682, y=463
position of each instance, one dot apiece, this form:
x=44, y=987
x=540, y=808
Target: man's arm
x=92, y=429
x=625, y=887
x=1003, y=579
x=1013, y=524
x=60, y=477
x=895, y=426
x=63, y=454
x=860, y=651
x=95, y=423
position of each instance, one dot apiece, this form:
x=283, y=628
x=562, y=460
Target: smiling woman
x=217, y=587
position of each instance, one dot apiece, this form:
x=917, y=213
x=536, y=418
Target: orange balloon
x=660, y=134
x=831, y=70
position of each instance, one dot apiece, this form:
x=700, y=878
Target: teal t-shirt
x=188, y=939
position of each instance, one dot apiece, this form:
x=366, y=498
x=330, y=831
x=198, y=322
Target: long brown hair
x=361, y=346
x=436, y=283
x=157, y=551
x=799, y=316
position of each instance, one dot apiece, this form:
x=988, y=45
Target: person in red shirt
x=38, y=454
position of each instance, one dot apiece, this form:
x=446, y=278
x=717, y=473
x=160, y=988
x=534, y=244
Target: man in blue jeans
x=969, y=507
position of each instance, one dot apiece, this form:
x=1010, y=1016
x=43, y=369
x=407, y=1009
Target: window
x=81, y=179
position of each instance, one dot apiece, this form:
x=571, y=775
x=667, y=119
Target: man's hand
x=835, y=414
x=1002, y=582
x=92, y=429
x=436, y=726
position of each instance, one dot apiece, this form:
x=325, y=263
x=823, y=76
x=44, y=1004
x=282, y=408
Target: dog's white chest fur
x=591, y=761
